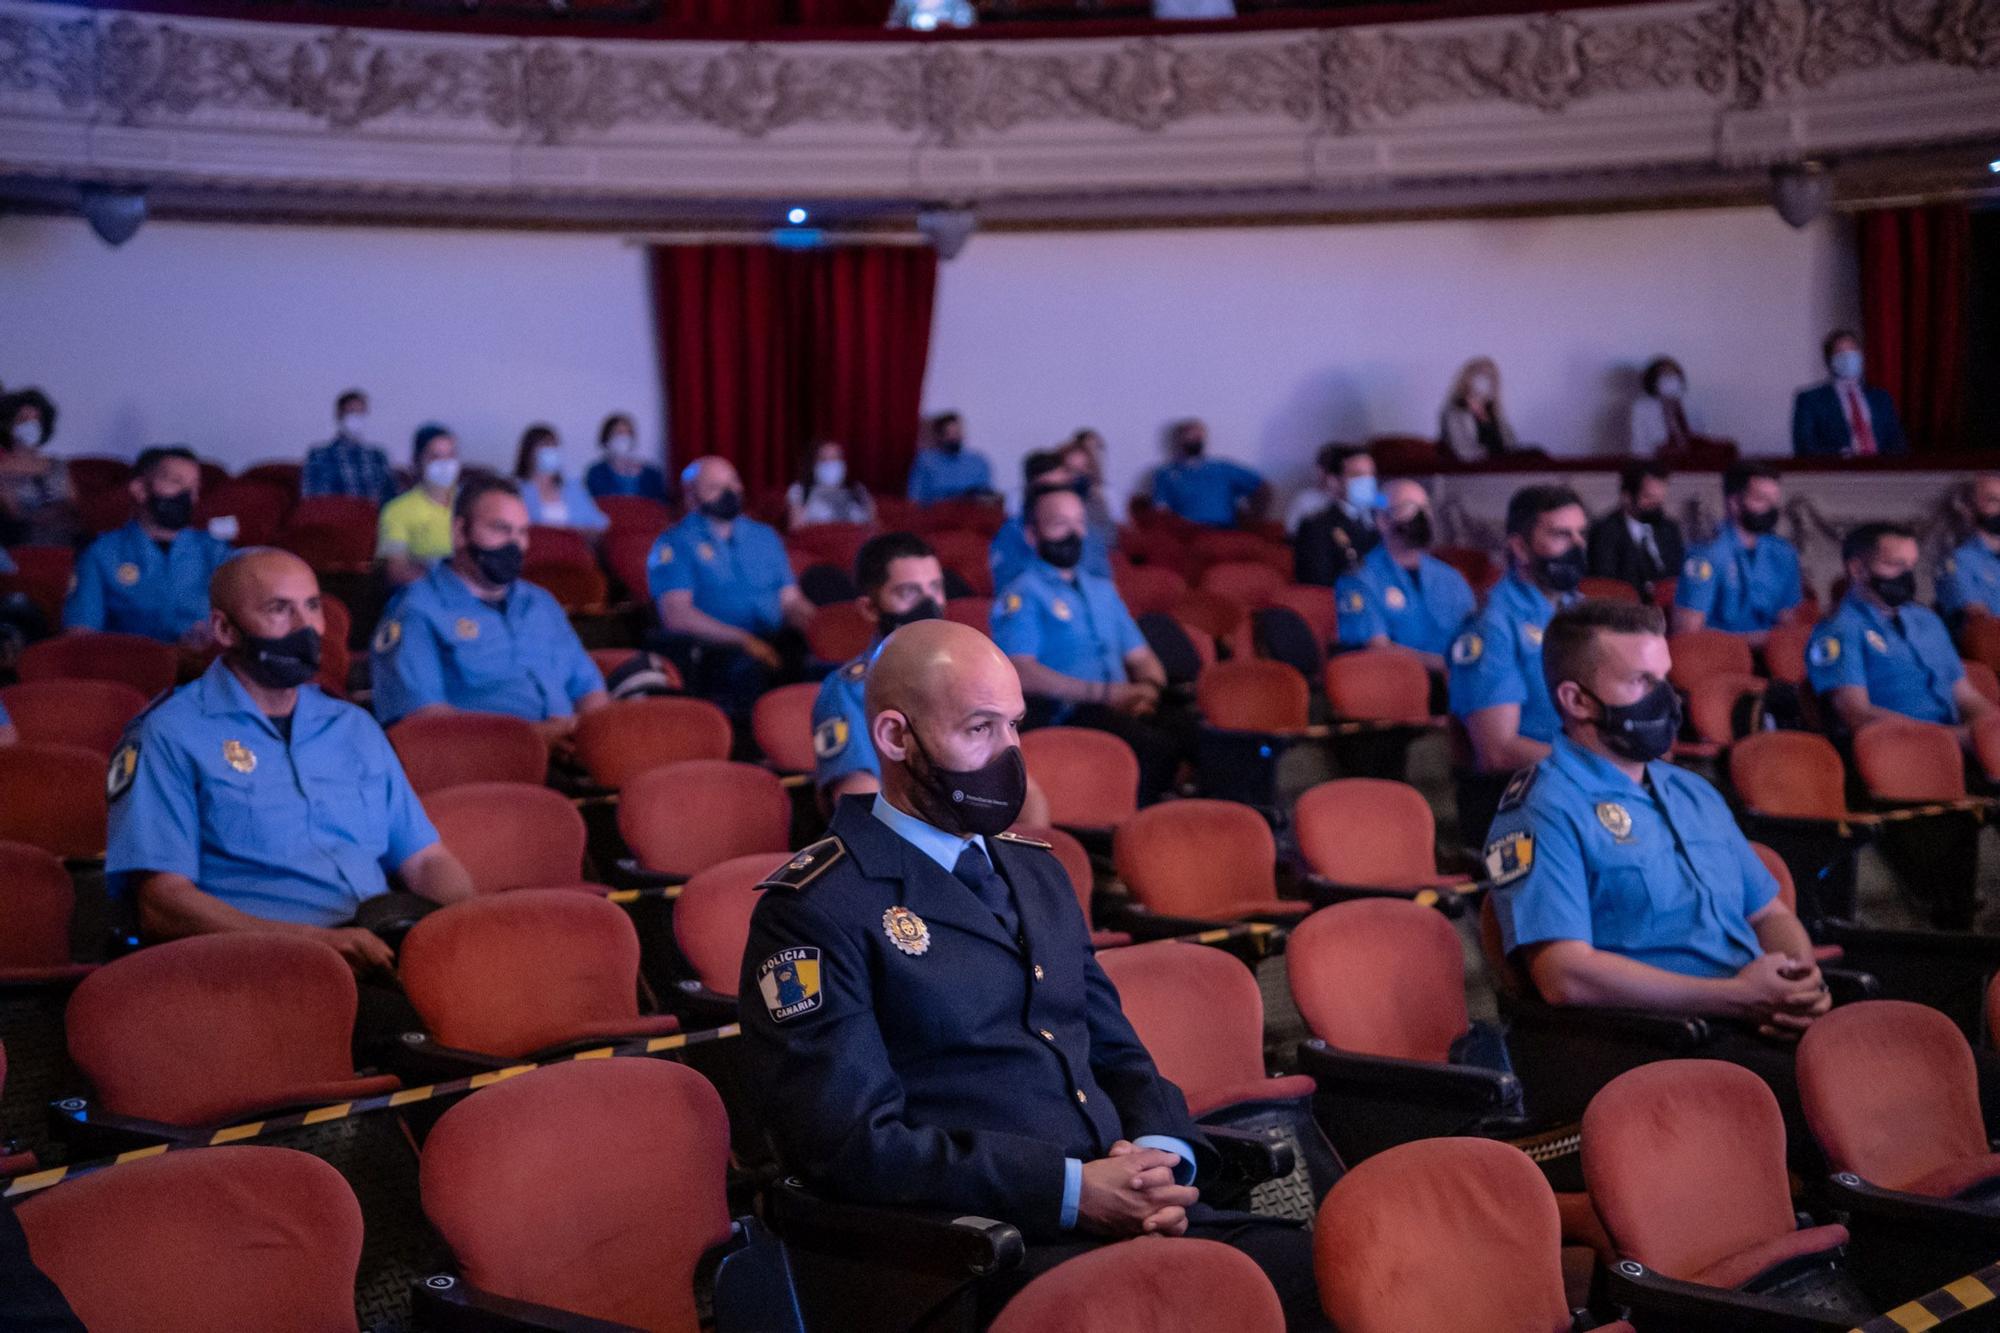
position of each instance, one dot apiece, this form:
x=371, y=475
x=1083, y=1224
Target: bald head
x=263, y=592
x=1403, y=501
x=705, y=478
x=943, y=687
x=1986, y=498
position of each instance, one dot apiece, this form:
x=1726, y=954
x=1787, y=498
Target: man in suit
x=926, y=1020
x=1845, y=417
x=1328, y=543
x=1637, y=543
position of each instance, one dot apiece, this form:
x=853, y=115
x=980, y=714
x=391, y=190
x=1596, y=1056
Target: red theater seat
x=1379, y=685
x=52, y=797
x=1252, y=694
x=712, y=918
x=1201, y=860
x=42, y=574
x=1707, y=652
x=782, y=723
x=1312, y=604
x=1380, y=977
x=1150, y=589
x=147, y=665
x=1091, y=778
x=1248, y=583
x=511, y=835
x=89, y=713
x=1372, y=836
x=1148, y=1285
x=838, y=632
x=258, y=507
x=618, y=742
x=37, y=901
x=450, y=749
x=1076, y=865
x=680, y=819
x=11, y=1163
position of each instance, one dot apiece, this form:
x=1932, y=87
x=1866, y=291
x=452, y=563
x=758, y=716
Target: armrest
x=1428, y=1081
x=1451, y=899
x=1941, y=943
x=1854, y=824
x=1669, y=1032
x=1692, y=1308
x=1965, y=1223
x=1848, y=985
x=702, y=1006
x=88, y=1131
x=629, y=874
x=443, y=1303
x=1251, y=1158
x=927, y=1239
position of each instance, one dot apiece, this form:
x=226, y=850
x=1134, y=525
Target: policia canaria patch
x=789, y=980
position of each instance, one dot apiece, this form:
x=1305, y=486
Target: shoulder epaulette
x=856, y=669
x=1517, y=787
x=806, y=867
x=1025, y=842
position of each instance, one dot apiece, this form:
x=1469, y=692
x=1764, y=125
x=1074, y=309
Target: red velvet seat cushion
x=1263, y=1090
x=1955, y=1178
x=1746, y=1265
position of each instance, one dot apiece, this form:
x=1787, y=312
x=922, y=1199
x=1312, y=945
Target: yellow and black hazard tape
x=667, y=891
x=257, y=1129
x=1937, y=1307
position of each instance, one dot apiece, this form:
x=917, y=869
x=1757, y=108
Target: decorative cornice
x=1728, y=83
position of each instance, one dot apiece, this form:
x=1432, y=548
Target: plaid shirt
x=344, y=467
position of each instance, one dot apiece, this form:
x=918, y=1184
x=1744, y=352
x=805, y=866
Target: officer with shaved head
x=925, y=1016
x=249, y=800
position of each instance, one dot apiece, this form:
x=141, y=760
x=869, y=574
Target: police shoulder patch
x=1825, y=650
x=388, y=635
x=830, y=737
x=1699, y=569
x=124, y=765
x=789, y=982
x=1518, y=787
x=1466, y=648
x=806, y=866
x=1025, y=842
x=1509, y=857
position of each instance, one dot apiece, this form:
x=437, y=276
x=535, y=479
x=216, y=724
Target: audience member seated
x=1401, y=594
x=346, y=464
x=732, y=612
x=1096, y=500
x=964, y=1109
x=1496, y=660
x=1010, y=554
x=1745, y=577
x=553, y=500
x=1845, y=417
x=37, y=505
x=824, y=494
x=249, y=800
x=1879, y=653
x=1637, y=543
x=1329, y=540
x=901, y=582
x=1209, y=491
x=151, y=576
x=472, y=636
x=1080, y=655
x=947, y=470
x=1471, y=425
x=1969, y=579
x=1661, y=417
x=414, y=530
x=624, y=470
x=1621, y=880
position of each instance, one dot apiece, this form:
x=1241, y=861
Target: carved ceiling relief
x=139, y=70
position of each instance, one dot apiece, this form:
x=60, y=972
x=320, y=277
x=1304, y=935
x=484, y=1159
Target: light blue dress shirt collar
x=941, y=847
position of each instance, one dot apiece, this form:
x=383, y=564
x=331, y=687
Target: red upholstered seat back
x=89, y=713
x=53, y=797
x=510, y=835
x=1902, y=759
x=1199, y=1013
x=1090, y=777
x=36, y=901
x=1196, y=857
x=451, y=749
x=1148, y=1285
x=1449, y=1233
x=619, y=742
x=1379, y=685
x=1254, y=694
x=593, y=1187
x=1789, y=773
x=782, y=723
x=712, y=917
x=195, y=1242
x=680, y=819
x=1380, y=977
x=1707, y=652
x=1367, y=831
x=147, y=665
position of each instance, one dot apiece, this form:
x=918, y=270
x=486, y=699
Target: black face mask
x=951, y=446
x=172, y=512
x=1062, y=552
x=1894, y=592
x=283, y=663
x=980, y=801
x=1759, y=524
x=1560, y=573
x=498, y=565
x=1641, y=731
x=1416, y=530
x=1650, y=517
x=888, y=622
x=1082, y=488
x=1990, y=524
x=1193, y=448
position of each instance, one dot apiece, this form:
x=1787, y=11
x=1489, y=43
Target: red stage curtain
x=1914, y=292
x=763, y=351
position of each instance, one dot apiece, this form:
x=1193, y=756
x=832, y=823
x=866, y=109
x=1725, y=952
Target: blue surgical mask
x=548, y=460
x=1362, y=491
x=1846, y=364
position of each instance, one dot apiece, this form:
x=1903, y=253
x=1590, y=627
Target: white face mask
x=829, y=472
x=1671, y=386
x=625, y=446
x=441, y=473
x=1847, y=364
x=548, y=460
x=1480, y=386
x=28, y=434
x=353, y=424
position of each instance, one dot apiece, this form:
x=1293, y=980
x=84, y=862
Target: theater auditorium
x=1059, y=666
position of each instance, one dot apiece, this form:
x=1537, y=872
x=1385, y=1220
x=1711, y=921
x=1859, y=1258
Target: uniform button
x=1081, y=1096
x=1048, y=1035
x=1038, y=971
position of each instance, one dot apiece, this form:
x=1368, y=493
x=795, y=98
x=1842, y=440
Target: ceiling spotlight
x=1994, y=165
x=114, y=214
x=1801, y=193
x=947, y=229
x=796, y=216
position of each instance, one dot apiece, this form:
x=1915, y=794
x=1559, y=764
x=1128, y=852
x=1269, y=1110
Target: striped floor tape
x=1937, y=1307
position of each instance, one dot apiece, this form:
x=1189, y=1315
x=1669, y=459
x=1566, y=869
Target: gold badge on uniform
x=128, y=574
x=705, y=551
x=906, y=930
x=238, y=756
x=1615, y=818
x=1533, y=634
x=1012, y=604
x=466, y=628
x=1356, y=602
x=1394, y=599
x=663, y=554
x=1876, y=641
x=1059, y=609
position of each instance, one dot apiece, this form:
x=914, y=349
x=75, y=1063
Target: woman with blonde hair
x=1472, y=426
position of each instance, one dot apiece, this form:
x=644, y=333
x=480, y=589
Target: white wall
x=235, y=338
x=1283, y=338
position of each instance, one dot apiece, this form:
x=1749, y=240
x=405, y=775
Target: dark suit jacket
x=925, y=1079
x=1819, y=423
x=1330, y=544
x=1614, y=555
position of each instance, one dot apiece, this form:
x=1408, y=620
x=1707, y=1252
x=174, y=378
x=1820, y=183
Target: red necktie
x=1857, y=423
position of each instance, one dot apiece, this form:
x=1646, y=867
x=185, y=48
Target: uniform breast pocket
x=346, y=792
x=253, y=812
x=479, y=661
x=1638, y=902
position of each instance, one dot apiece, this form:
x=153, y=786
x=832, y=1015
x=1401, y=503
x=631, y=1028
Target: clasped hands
x=1132, y=1192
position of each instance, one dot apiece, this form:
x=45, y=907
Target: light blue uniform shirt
x=937, y=475
x=124, y=584
x=841, y=744
x=1740, y=588
x=1970, y=577
x=1497, y=658
x=945, y=849
x=440, y=643
x=203, y=786
x=1011, y=554
x=1661, y=875
x=737, y=581
x=1079, y=628
x=1380, y=597
x=1204, y=490
x=1907, y=667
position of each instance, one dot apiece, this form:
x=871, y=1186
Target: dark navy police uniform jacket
x=958, y=1068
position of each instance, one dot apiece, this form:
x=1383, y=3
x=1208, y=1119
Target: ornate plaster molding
x=1686, y=83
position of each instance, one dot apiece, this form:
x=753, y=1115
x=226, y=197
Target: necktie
x=976, y=872
x=1857, y=422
